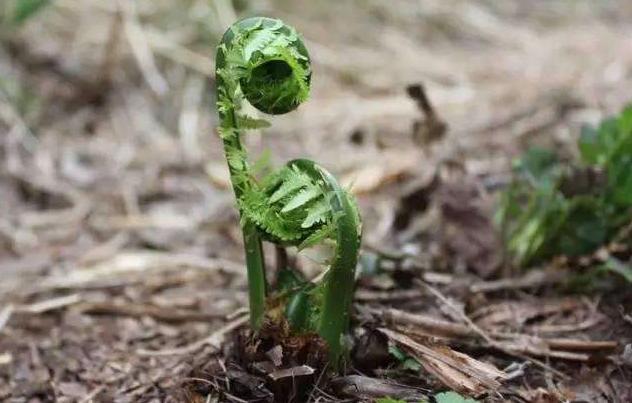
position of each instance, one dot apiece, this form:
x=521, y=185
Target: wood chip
x=5, y=315
x=50, y=304
x=302, y=370
x=275, y=354
x=455, y=370
x=366, y=388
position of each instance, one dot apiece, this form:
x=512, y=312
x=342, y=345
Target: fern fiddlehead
x=265, y=62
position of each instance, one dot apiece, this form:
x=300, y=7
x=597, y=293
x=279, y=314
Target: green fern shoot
x=264, y=62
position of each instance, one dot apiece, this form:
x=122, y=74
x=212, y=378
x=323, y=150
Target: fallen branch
x=533, y=278
x=455, y=370
x=507, y=342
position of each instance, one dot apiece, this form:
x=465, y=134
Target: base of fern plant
x=270, y=365
x=295, y=305
x=291, y=364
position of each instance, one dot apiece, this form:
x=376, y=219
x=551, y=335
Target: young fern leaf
x=257, y=41
x=317, y=213
x=264, y=62
x=316, y=237
x=291, y=181
x=302, y=198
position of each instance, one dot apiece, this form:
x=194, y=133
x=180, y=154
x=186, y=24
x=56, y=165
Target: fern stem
x=256, y=274
x=339, y=280
x=255, y=263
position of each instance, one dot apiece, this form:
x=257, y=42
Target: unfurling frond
x=264, y=62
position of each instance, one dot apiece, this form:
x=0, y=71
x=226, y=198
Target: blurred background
x=107, y=108
x=112, y=175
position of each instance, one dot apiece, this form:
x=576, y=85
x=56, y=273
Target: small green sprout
x=557, y=208
x=265, y=62
x=20, y=11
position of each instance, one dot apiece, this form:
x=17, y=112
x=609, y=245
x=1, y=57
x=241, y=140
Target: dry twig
x=214, y=340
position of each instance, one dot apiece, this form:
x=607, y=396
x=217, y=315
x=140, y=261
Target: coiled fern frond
x=264, y=62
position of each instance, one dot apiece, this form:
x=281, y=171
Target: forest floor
x=120, y=252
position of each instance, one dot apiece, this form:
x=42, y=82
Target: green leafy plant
x=452, y=397
x=443, y=397
x=20, y=11
x=406, y=361
x=554, y=207
x=389, y=400
x=264, y=61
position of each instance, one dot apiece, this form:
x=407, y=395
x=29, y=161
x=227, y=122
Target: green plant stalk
x=255, y=266
x=255, y=263
x=339, y=281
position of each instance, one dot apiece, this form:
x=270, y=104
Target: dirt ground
x=120, y=251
